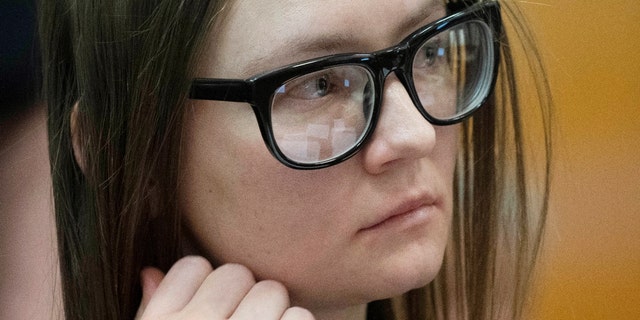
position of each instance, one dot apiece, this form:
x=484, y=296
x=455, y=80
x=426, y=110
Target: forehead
x=256, y=36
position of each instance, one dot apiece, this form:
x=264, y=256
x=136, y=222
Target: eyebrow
x=307, y=47
x=301, y=48
x=417, y=19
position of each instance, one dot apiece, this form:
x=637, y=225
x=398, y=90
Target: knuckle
x=273, y=288
x=194, y=262
x=238, y=272
x=298, y=313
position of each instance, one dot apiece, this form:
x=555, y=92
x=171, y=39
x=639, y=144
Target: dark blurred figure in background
x=28, y=264
x=19, y=81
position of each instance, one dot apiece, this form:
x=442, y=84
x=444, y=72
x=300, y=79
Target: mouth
x=409, y=213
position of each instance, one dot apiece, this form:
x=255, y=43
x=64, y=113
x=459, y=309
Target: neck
x=358, y=312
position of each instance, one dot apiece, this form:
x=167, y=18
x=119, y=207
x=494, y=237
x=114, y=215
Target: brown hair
x=128, y=64
x=502, y=189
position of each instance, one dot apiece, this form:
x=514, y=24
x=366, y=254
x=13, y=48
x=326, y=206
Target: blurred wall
x=591, y=265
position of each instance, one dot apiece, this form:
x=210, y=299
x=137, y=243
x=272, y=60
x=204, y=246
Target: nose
x=402, y=134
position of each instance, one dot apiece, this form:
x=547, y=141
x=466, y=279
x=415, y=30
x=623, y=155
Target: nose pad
x=401, y=134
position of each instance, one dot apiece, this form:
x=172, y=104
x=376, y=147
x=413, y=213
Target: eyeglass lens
x=452, y=70
x=323, y=115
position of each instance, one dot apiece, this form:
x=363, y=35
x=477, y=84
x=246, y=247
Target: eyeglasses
x=320, y=112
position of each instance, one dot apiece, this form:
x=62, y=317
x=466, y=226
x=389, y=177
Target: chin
x=412, y=276
x=390, y=278
x=404, y=272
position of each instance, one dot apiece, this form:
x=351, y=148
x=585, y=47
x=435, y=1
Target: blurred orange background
x=591, y=260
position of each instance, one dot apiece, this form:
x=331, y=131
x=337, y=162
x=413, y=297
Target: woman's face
x=368, y=228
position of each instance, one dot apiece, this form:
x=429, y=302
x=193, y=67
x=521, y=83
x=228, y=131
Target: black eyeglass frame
x=258, y=90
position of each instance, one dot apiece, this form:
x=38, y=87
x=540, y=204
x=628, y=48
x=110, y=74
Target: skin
x=28, y=260
x=307, y=233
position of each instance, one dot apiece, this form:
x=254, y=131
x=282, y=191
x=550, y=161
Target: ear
x=76, y=140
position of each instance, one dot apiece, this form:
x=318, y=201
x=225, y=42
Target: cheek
x=240, y=203
x=446, y=150
x=278, y=224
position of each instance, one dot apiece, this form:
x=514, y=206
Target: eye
x=339, y=83
x=428, y=55
x=321, y=86
x=313, y=86
x=432, y=54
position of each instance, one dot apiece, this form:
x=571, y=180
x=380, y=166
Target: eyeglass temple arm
x=221, y=90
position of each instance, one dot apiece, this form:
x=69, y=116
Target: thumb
x=150, y=279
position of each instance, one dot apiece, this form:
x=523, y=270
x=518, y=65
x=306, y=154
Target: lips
x=412, y=208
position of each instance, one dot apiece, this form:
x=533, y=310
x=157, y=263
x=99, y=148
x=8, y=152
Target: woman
x=367, y=177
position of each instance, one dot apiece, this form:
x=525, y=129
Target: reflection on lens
x=452, y=70
x=322, y=115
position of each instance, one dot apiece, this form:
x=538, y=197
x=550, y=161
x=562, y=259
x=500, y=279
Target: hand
x=193, y=290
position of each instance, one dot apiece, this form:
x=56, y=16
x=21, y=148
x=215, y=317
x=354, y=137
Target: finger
x=222, y=291
x=178, y=286
x=297, y=313
x=266, y=300
x=150, y=279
